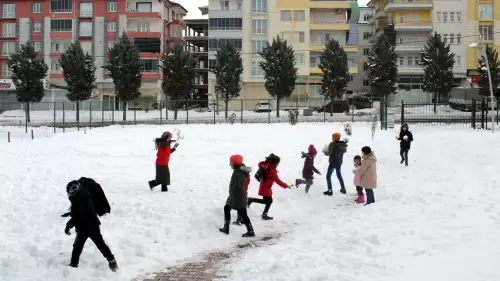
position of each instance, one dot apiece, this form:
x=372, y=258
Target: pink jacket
x=357, y=176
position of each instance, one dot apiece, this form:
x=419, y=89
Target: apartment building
x=196, y=38
x=366, y=15
x=54, y=25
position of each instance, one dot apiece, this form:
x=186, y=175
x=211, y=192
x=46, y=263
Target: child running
x=308, y=170
x=162, y=178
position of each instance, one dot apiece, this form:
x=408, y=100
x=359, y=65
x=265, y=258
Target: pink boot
x=361, y=199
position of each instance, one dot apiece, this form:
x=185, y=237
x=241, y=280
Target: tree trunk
x=331, y=107
x=435, y=103
x=28, y=116
x=175, y=113
x=77, y=111
x=124, y=110
x=277, y=107
x=227, y=105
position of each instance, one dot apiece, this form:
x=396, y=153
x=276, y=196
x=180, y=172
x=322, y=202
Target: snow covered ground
x=435, y=220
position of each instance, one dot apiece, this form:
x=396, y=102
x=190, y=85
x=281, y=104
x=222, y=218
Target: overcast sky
x=194, y=12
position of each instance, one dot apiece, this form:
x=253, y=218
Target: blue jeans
x=336, y=168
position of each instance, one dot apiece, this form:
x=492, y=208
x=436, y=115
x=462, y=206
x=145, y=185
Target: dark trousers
x=359, y=190
x=96, y=237
x=329, y=174
x=404, y=155
x=370, y=197
x=266, y=200
x=307, y=182
x=242, y=214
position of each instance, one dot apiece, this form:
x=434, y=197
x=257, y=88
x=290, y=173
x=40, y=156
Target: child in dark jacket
x=162, y=160
x=406, y=138
x=308, y=170
x=86, y=222
x=237, y=199
x=265, y=188
x=239, y=220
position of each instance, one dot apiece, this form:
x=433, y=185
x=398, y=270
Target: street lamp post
x=492, y=97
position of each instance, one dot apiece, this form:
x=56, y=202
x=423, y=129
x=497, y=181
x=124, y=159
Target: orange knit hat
x=236, y=159
x=336, y=136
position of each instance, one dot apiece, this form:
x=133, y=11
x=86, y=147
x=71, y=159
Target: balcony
x=410, y=47
x=398, y=5
x=413, y=26
x=314, y=62
x=134, y=32
x=151, y=75
x=328, y=4
x=178, y=22
x=138, y=14
x=330, y=19
x=410, y=70
x=319, y=47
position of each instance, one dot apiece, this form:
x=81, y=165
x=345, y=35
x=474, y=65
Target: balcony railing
x=136, y=29
x=415, y=2
x=410, y=23
x=314, y=62
x=137, y=11
x=327, y=21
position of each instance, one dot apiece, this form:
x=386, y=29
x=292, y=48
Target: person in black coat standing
x=406, y=138
x=84, y=219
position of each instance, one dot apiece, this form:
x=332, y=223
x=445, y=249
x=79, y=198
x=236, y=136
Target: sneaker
x=328, y=192
x=113, y=265
x=249, y=234
x=266, y=217
x=343, y=191
x=297, y=182
x=151, y=185
x=75, y=265
x=224, y=230
x=402, y=160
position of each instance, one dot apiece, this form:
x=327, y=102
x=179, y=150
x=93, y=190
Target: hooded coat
x=238, y=185
x=368, y=171
x=405, y=143
x=308, y=170
x=336, y=150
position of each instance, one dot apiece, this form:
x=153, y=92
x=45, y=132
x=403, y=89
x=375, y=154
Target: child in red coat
x=270, y=177
x=162, y=159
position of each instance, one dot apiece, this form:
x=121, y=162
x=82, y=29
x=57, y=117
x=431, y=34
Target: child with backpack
x=357, y=180
x=308, y=170
x=164, y=150
x=267, y=175
x=237, y=199
x=85, y=220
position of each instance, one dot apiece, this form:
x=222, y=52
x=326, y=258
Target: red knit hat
x=236, y=159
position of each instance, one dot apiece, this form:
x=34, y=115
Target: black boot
x=328, y=192
x=250, y=232
x=164, y=188
x=402, y=161
x=225, y=229
x=113, y=265
x=238, y=221
x=343, y=191
x=151, y=184
x=297, y=182
x=266, y=217
x=75, y=265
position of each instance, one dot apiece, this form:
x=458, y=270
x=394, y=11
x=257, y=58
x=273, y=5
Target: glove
x=290, y=186
x=66, y=230
x=303, y=154
x=176, y=145
x=319, y=174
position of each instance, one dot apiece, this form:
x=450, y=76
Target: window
x=401, y=61
x=215, y=44
x=350, y=79
x=410, y=61
x=299, y=15
x=485, y=12
x=112, y=7
x=286, y=15
x=85, y=28
x=86, y=47
x=366, y=51
x=36, y=8
x=299, y=37
x=256, y=69
x=144, y=7
x=458, y=61
x=452, y=38
x=111, y=26
x=8, y=48
x=452, y=16
x=401, y=41
x=212, y=64
x=65, y=25
x=257, y=46
x=225, y=23
x=259, y=6
x=366, y=82
x=9, y=30
x=439, y=16
x=401, y=18
x=286, y=35
x=61, y=6
x=37, y=46
x=224, y=5
x=445, y=38
x=111, y=44
x=9, y=11
x=55, y=67
x=59, y=47
x=365, y=67
x=6, y=70
x=459, y=16
x=239, y=5
x=144, y=27
x=459, y=38
x=86, y=9
x=366, y=35
x=149, y=65
x=486, y=32
x=259, y=26
x=445, y=16
x=36, y=27
x=299, y=58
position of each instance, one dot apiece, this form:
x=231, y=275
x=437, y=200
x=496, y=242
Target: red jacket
x=163, y=155
x=270, y=177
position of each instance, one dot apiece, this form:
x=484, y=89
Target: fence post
x=324, y=110
x=113, y=113
x=78, y=121
x=90, y=112
x=498, y=103
x=269, y=112
x=64, y=118
x=187, y=115
x=135, y=114
x=26, y=117
x=102, y=114
x=54, y=117
x=386, y=117
x=241, y=111
x=473, y=112
x=482, y=114
x=160, y=105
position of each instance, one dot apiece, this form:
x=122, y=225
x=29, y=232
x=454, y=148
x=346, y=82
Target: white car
x=263, y=107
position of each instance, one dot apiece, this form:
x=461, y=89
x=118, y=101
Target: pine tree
x=79, y=74
x=28, y=71
x=484, y=83
x=333, y=64
x=228, y=70
x=178, y=67
x=279, y=69
x=437, y=62
x=382, y=68
x=125, y=68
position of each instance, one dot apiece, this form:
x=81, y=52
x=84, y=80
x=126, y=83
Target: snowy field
x=437, y=219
